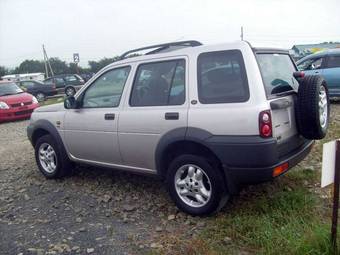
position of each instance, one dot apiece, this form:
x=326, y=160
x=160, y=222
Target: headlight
x=34, y=100
x=3, y=105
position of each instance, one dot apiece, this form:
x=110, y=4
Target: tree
x=95, y=66
x=3, y=71
x=30, y=66
x=59, y=66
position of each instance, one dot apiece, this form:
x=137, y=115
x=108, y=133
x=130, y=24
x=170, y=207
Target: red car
x=15, y=103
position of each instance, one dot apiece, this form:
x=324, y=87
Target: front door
x=331, y=73
x=91, y=131
x=157, y=105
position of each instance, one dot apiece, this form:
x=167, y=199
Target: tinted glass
x=277, y=72
x=160, y=83
x=70, y=78
x=333, y=61
x=107, y=90
x=9, y=89
x=27, y=84
x=310, y=64
x=222, y=77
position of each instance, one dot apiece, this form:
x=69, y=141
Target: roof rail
x=160, y=47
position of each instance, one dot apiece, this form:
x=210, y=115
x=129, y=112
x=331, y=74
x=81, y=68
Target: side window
x=70, y=78
x=311, y=64
x=106, y=90
x=28, y=84
x=333, y=61
x=160, y=83
x=222, y=77
x=59, y=81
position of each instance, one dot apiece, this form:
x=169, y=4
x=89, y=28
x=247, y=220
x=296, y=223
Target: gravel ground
x=95, y=211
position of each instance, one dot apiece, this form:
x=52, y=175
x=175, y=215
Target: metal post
x=336, y=196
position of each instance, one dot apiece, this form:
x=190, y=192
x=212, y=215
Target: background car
x=326, y=64
x=15, y=103
x=38, y=89
x=66, y=83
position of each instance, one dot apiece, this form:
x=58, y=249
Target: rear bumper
x=251, y=159
x=263, y=174
x=17, y=113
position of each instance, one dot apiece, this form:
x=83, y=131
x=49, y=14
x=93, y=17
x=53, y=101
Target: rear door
x=331, y=74
x=157, y=105
x=277, y=74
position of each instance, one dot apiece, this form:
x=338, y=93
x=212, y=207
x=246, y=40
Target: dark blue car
x=326, y=64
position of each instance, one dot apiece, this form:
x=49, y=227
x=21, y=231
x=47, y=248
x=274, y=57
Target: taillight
x=265, y=124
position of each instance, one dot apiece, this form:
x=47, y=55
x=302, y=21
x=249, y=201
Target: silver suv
x=206, y=119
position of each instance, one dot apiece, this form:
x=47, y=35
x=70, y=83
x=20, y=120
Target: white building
x=26, y=76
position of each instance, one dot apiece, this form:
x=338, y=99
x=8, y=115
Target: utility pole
x=241, y=33
x=47, y=62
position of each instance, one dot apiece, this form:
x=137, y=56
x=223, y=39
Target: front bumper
x=17, y=113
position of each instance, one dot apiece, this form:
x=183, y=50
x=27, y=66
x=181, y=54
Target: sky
x=106, y=28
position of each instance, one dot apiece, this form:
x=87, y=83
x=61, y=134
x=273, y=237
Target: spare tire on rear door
x=312, y=110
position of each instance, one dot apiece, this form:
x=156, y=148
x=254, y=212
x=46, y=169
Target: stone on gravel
x=129, y=208
x=90, y=250
x=171, y=217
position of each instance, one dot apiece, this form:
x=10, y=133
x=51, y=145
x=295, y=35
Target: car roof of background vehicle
x=329, y=52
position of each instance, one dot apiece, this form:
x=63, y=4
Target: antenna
x=241, y=33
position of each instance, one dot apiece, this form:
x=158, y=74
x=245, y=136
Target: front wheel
x=196, y=185
x=51, y=160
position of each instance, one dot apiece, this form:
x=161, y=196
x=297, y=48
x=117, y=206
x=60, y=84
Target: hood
x=17, y=98
x=51, y=108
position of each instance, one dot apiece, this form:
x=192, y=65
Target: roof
x=320, y=54
x=186, y=51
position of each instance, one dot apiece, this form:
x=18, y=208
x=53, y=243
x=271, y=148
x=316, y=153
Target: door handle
x=171, y=115
x=109, y=116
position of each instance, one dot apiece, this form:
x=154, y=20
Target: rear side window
x=333, y=61
x=222, y=77
x=159, y=83
x=277, y=72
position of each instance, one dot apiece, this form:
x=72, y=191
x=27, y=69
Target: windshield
x=9, y=89
x=277, y=73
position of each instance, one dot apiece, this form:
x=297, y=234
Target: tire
x=40, y=96
x=70, y=91
x=179, y=168
x=63, y=165
x=312, y=118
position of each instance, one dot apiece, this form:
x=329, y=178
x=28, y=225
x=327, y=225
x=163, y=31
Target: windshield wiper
x=7, y=94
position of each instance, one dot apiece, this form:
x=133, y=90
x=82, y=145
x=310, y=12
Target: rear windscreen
x=277, y=73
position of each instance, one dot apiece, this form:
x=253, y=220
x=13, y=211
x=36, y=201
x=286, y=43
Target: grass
x=290, y=215
x=50, y=101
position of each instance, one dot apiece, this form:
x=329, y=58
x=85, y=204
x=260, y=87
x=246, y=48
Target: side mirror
x=70, y=103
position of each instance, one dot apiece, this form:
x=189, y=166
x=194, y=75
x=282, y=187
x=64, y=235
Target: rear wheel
x=70, y=91
x=312, y=111
x=40, y=96
x=196, y=185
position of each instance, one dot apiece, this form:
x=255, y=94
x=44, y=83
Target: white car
x=206, y=119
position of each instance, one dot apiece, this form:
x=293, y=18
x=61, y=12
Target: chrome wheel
x=323, y=107
x=47, y=158
x=40, y=97
x=70, y=92
x=193, y=185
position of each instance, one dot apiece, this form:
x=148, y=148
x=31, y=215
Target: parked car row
x=66, y=83
x=326, y=64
